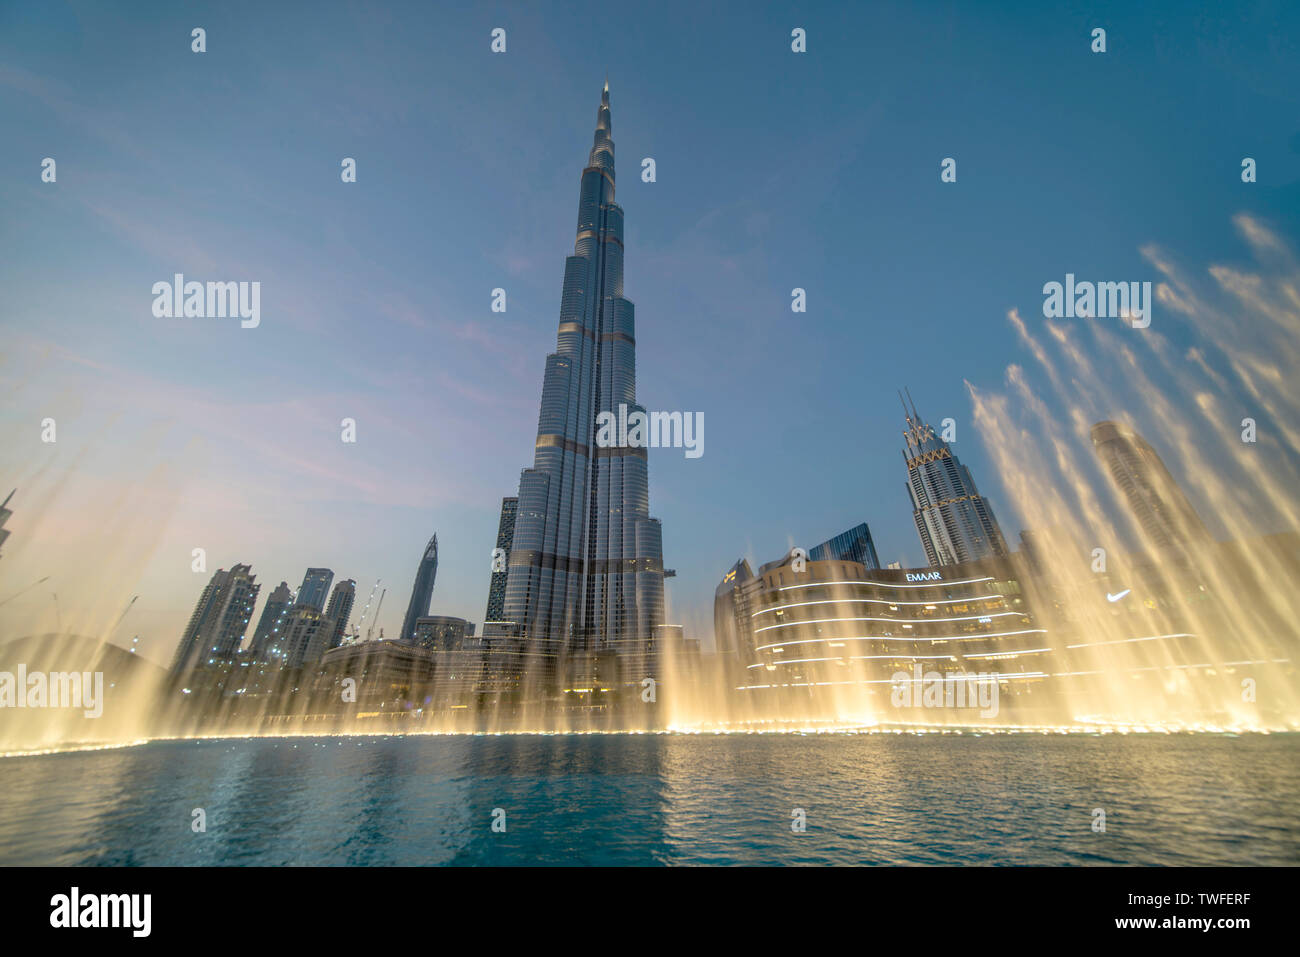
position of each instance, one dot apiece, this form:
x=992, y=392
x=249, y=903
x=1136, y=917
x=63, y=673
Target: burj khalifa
x=585, y=579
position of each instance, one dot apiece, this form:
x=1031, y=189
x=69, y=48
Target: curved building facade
x=422, y=590
x=839, y=625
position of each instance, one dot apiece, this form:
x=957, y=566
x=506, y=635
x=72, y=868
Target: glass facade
x=315, y=588
x=955, y=523
x=1163, y=512
x=840, y=624
x=422, y=590
x=496, y=603
x=585, y=574
x=854, y=545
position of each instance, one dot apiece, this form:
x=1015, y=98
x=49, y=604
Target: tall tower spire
x=602, y=146
x=955, y=522
x=585, y=574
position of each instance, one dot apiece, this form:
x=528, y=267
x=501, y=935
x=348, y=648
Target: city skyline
x=218, y=469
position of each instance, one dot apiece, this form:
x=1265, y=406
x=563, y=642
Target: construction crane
x=112, y=631
x=365, y=611
x=22, y=591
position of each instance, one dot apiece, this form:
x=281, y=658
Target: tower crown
x=602, y=145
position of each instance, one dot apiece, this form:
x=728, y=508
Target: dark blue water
x=662, y=799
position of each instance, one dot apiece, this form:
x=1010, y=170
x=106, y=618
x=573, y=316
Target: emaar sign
x=924, y=577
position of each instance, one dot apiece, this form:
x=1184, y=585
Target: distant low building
x=442, y=632
x=397, y=677
x=390, y=675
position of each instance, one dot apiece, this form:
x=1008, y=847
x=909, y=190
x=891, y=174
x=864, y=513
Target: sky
x=774, y=170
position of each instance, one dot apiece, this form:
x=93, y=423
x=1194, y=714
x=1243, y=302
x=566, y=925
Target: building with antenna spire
x=584, y=591
x=955, y=522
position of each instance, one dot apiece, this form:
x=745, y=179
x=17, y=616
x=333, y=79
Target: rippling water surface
x=661, y=799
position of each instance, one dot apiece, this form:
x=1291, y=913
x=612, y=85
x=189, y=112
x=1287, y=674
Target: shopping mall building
x=840, y=633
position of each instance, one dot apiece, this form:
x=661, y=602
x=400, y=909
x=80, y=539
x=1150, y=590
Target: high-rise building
x=315, y=586
x=339, y=610
x=5, y=513
x=1159, y=505
x=854, y=545
x=586, y=576
x=220, y=620
x=307, y=633
x=496, y=602
x=730, y=632
x=955, y=522
x=422, y=591
x=272, y=621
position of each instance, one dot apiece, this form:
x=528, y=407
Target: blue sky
x=775, y=170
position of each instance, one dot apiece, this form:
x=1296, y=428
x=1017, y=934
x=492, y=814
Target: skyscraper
x=220, y=620
x=307, y=632
x=731, y=631
x=272, y=621
x=422, y=591
x=340, y=610
x=586, y=573
x=496, y=602
x=5, y=512
x=955, y=522
x=1159, y=505
x=315, y=586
